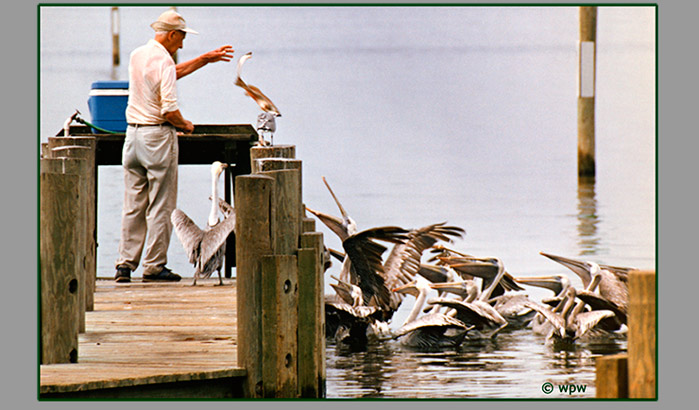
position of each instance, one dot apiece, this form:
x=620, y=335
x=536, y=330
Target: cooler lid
x=110, y=85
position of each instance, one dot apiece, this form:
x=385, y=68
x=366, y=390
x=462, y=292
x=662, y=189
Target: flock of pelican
x=477, y=298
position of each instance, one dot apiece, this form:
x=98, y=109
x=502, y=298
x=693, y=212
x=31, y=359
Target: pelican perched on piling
x=206, y=248
x=266, y=120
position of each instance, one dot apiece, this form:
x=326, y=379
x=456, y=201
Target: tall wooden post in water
x=114, y=20
x=586, y=91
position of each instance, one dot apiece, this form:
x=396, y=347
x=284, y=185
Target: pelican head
x=581, y=268
x=413, y=288
x=348, y=291
x=347, y=222
x=217, y=167
x=555, y=283
x=464, y=289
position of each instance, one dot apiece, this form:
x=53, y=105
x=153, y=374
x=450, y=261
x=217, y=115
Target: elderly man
x=150, y=155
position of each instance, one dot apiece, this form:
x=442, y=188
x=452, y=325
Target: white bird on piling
x=207, y=247
x=266, y=120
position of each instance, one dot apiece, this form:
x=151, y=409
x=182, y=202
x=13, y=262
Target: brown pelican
x=464, y=265
x=613, y=280
x=347, y=321
x=475, y=309
x=559, y=285
x=207, y=247
x=433, y=330
x=403, y=263
x=570, y=323
x=266, y=120
x=363, y=265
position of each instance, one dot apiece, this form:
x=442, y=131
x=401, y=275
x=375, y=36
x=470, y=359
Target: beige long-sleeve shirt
x=152, y=88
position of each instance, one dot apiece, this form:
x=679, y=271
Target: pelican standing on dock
x=266, y=120
x=206, y=248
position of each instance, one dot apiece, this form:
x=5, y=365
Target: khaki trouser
x=149, y=158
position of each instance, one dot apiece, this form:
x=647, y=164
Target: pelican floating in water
x=347, y=320
x=433, y=330
x=570, y=323
x=361, y=281
x=266, y=120
x=558, y=284
x=475, y=309
x=612, y=283
x=465, y=266
x=206, y=248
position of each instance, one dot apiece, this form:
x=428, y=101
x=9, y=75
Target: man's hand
x=223, y=53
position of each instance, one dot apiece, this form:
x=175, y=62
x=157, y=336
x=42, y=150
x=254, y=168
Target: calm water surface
x=415, y=116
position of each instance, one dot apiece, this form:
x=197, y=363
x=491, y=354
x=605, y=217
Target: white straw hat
x=171, y=20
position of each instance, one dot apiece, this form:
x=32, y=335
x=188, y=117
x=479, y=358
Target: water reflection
x=587, y=216
x=513, y=365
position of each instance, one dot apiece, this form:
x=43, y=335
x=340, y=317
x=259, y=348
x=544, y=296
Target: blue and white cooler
x=107, y=104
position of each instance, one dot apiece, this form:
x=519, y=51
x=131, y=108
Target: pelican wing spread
x=472, y=313
x=555, y=319
x=588, y=320
x=262, y=100
x=366, y=264
x=430, y=320
x=403, y=263
x=189, y=234
x=215, y=238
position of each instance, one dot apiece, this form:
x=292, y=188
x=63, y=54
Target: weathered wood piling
x=633, y=375
x=279, y=281
x=586, y=91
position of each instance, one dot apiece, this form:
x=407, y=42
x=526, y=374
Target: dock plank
x=152, y=333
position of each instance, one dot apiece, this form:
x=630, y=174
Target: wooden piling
x=642, y=335
x=276, y=151
x=114, y=21
x=279, y=323
x=286, y=216
x=59, y=267
x=611, y=377
x=78, y=168
x=311, y=330
x=84, y=148
x=586, y=91
x=291, y=292
x=633, y=375
x=253, y=204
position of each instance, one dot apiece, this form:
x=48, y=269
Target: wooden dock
x=172, y=340
x=154, y=340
